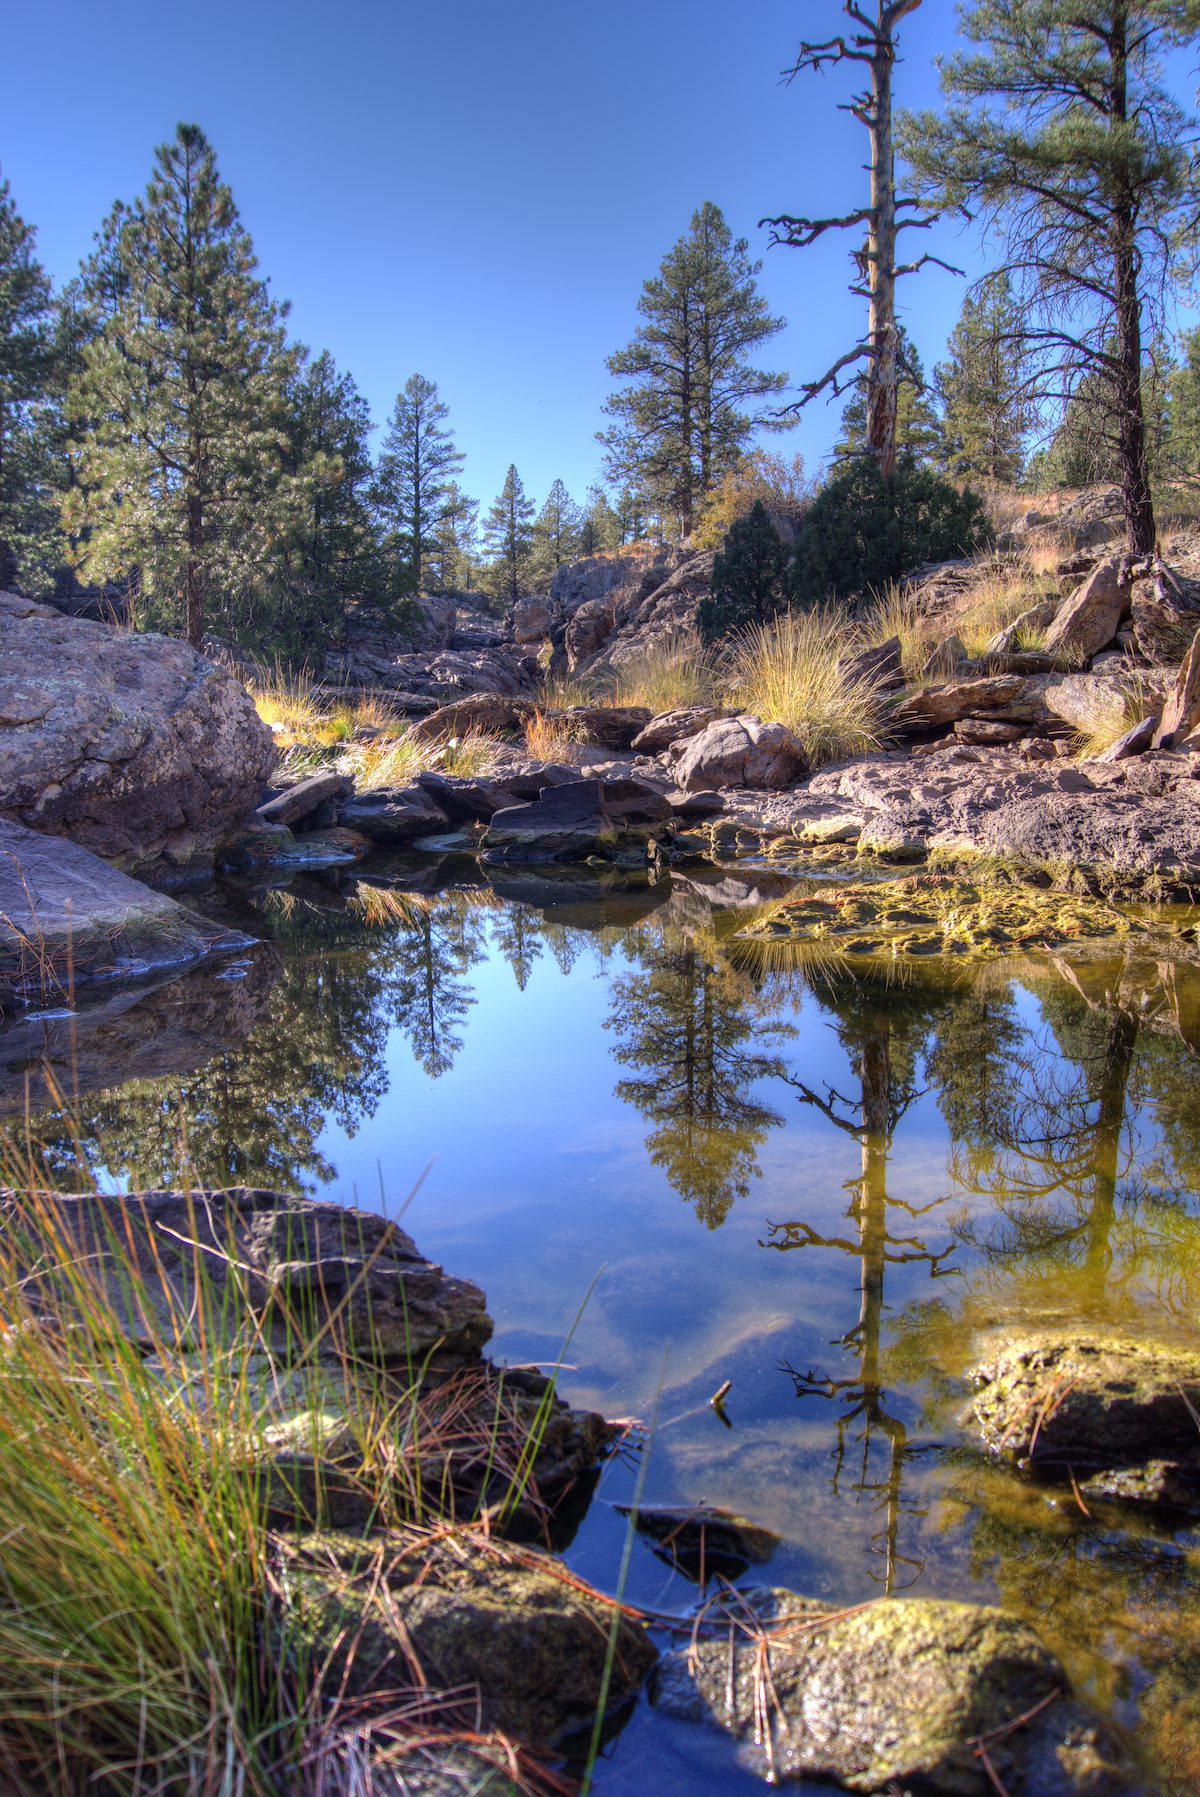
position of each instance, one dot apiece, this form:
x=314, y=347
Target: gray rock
x=607, y=726
x=485, y=712
x=133, y=746
x=877, y=667
x=1088, y=621
x=1037, y=618
x=1166, y=614
x=69, y=920
x=891, y=1695
x=740, y=751
x=673, y=727
x=581, y=817
x=394, y=815
x=1136, y=740
x=588, y=631
x=987, y=730
x=1181, y=713
x=933, y=707
x=299, y=802
x=531, y=620
x=462, y=800
x=432, y=623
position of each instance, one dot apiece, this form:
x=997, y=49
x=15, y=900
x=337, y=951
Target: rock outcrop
x=134, y=747
x=740, y=751
x=69, y=921
x=608, y=609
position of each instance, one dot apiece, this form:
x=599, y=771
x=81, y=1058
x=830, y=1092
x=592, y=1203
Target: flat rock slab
x=894, y=1695
x=70, y=920
x=134, y=746
x=581, y=817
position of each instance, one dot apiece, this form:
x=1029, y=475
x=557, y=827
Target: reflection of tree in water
x=254, y=1114
x=698, y=1031
x=429, y=963
x=1050, y=1126
x=882, y=1031
x=517, y=933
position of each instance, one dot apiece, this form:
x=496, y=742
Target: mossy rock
x=926, y=915
x=510, y=1625
x=893, y=1695
x=1117, y=1415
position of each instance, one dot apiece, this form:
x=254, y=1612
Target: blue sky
x=475, y=191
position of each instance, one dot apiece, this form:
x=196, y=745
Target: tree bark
x=883, y=377
x=1131, y=417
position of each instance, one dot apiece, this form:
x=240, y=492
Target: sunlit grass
x=390, y=761
x=1004, y=588
x=289, y=702
x=548, y=737
x=793, y=672
x=1140, y=700
x=893, y=613
x=671, y=673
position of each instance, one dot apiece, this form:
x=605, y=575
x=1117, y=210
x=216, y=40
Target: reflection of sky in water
x=540, y=1182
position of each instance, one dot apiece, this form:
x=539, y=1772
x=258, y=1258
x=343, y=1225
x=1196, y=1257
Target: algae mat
x=937, y=914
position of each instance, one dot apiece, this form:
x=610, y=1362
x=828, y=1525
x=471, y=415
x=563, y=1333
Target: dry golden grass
x=792, y=672
x=548, y=737
x=1006, y=586
x=672, y=672
x=387, y=761
x=1141, y=701
x=288, y=702
x=893, y=614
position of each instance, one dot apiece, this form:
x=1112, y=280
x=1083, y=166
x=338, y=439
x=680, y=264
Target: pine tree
x=182, y=407
x=748, y=584
x=1183, y=453
x=334, y=553
x=986, y=415
x=599, y=528
x=417, y=466
x=917, y=429
x=508, y=539
x=1085, y=448
x=1063, y=142
x=555, y=535
x=694, y=398
x=26, y=376
x=454, y=565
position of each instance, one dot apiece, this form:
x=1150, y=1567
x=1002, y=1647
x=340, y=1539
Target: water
x=815, y=1185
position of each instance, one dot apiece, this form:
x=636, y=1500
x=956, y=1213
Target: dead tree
x=874, y=46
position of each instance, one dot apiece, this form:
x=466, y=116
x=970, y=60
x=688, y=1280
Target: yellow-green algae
x=921, y=915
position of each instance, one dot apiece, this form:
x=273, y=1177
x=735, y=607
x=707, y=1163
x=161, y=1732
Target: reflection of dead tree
x=872, y=1121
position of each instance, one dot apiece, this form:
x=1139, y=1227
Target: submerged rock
x=933, y=914
x=1118, y=1416
x=909, y=1694
x=509, y=1631
x=704, y=1541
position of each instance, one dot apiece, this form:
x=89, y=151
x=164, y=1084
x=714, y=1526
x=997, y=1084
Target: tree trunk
x=883, y=372
x=8, y=559
x=1131, y=419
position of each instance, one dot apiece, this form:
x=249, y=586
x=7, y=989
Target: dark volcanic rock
x=297, y=804
x=134, y=746
x=486, y=712
x=580, y=818
x=394, y=815
x=608, y=726
x=462, y=800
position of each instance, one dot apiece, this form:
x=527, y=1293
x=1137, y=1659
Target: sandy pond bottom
x=793, y=1174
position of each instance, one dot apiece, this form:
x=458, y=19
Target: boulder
x=531, y=619
x=741, y=751
x=987, y=730
x=1166, y=614
x=1136, y=740
x=899, y=1694
x=1089, y=620
x=1181, y=713
x=672, y=727
x=484, y=712
x=394, y=815
x=69, y=920
x=581, y=817
x=878, y=667
x=588, y=631
x=1035, y=620
x=463, y=800
x=933, y=707
x=1116, y=1415
x=1090, y=703
x=135, y=747
x=299, y=803
x=522, y=1641
x=608, y=726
